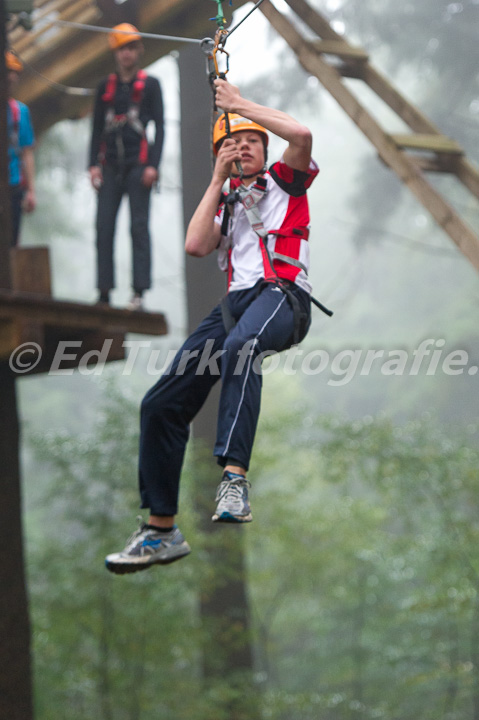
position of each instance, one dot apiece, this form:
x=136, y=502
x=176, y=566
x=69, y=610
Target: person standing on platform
x=21, y=160
x=122, y=161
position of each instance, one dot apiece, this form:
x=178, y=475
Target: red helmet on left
x=12, y=62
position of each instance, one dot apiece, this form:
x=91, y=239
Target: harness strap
x=249, y=198
x=228, y=320
x=289, y=260
x=14, y=133
x=302, y=232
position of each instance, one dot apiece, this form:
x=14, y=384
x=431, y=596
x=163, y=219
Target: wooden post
x=15, y=663
x=30, y=270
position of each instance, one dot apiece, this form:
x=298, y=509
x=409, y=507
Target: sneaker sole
x=226, y=517
x=128, y=568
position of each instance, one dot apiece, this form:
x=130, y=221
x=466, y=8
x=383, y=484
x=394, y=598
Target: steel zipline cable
x=98, y=28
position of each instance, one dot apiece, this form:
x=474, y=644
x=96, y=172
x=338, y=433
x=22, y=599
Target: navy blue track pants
x=264, y=324
x=117, y=183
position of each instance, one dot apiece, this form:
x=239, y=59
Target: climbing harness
x=249, y=197
x=14, y=132
x=115, y=123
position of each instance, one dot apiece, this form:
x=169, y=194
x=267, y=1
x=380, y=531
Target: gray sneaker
x=147, y=547
x=232, y=498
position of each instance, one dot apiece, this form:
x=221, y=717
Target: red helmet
x=237, y=123
x=12, y=62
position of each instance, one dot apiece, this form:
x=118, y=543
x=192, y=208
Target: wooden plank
x=429, y=143
x=55, y=313
x=408, y=172
x=341, y=49
x=30, y=268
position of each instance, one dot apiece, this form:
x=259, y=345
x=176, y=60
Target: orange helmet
x=237, y=123
x=12, y=62
x=122, y=35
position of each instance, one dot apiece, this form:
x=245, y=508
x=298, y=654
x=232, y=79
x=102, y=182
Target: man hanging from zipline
x=261, y=234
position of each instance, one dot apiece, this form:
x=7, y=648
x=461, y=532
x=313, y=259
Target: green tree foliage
x=363, y=573
x=366, y=582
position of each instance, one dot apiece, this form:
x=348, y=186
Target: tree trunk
x=227, y=652
x=15, y=668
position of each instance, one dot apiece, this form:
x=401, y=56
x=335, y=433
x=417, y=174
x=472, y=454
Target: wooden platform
x=41, y=324
x=40, y=330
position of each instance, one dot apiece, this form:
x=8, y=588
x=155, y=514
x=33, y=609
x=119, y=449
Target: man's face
x=128, y=56
x=250, y=146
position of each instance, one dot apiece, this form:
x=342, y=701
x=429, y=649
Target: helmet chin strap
x=247, y=177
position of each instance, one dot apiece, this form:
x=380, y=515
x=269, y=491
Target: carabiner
x=221, y=73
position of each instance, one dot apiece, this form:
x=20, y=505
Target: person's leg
x=266, y=326
x=139, y=196
x=166, y=413
x=109, y=199
x=16, y=198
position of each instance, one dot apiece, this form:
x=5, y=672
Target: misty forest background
x=362, y=562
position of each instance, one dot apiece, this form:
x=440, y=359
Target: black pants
x=265, y=323
x=116, y=183
x=16, y=199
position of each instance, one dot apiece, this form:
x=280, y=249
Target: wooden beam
x=428, y=143
x=408, y=172
x=412, y=116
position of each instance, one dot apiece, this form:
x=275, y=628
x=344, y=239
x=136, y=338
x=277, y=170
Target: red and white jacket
x=285, y=214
